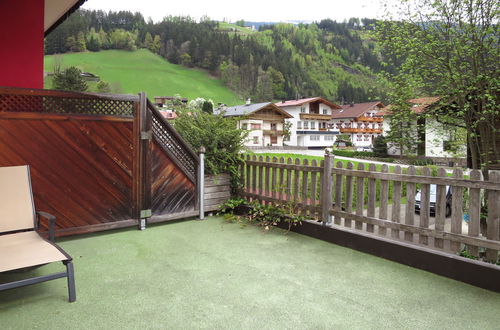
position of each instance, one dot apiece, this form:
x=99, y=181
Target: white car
x=366, y=148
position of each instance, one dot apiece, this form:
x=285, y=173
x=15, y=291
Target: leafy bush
x=231, y=205
x=223, y=142
x=265, y=216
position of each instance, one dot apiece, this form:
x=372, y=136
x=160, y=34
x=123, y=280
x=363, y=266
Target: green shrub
x=380, y=146
x=421, y=161
x=69, y=80
x=223, y=142
x=350, y=153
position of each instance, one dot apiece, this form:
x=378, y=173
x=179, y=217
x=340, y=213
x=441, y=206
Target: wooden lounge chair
x=21, y=246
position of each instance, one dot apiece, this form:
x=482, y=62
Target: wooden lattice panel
x=66, y=105
x=172, y=145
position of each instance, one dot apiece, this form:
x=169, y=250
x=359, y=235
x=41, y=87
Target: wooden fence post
x=201, y=183
x=326, y=188
x=142, y=161
x=493, y=221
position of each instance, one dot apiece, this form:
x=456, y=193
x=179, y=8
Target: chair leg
x=71, y=281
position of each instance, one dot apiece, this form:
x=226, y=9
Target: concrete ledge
x=462, y=269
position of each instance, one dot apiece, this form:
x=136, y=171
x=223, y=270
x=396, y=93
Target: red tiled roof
x=168, y=114
x=356, y=110
x=293, y=103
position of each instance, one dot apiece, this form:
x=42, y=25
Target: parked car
x=432, y=200
x=365, y=148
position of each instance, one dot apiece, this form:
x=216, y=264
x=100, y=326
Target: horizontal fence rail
x=453, y=213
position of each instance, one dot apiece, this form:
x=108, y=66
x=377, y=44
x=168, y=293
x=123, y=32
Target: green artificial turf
x=141, y=70
x=213, y=274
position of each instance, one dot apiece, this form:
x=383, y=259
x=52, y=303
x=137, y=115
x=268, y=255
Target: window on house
x=255, y=126
x=325, y=111
x=255, y=140
x=313, y=125
x=299, y=125
x=314, y=138
x=274, y=126
x=329, y=137
x=244, y=126
x=302, y=109
x=306, y=125
x=274, y=139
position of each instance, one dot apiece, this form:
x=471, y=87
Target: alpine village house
x=310, y=121
x=264, y=120
x=362, y=122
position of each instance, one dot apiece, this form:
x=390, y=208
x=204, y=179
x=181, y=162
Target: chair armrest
x=52, y=223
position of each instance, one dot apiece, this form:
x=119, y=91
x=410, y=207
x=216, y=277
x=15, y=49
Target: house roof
x=168, y=114
x=357, y=109
x=418, y=105
x=57, y=11
x=293, y=103
x=247, y=109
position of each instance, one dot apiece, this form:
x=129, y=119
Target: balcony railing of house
x=370, y=119
x=315, y=116
x=272, y=132
x=360, y=130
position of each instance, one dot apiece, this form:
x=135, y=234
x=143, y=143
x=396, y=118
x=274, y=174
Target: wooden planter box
x=217, y=191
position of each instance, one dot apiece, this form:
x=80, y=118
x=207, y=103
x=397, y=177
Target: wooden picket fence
x=381, y=202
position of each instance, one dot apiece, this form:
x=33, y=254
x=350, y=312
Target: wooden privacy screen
x=172, y=191
x=81, y=169
x=97, y=161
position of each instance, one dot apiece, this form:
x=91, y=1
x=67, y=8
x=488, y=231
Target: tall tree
x=403, y=132
x=451, y=48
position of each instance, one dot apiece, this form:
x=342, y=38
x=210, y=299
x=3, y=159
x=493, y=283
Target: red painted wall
x=21, y=43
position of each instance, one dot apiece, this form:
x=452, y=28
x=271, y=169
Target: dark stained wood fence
x=97, y=161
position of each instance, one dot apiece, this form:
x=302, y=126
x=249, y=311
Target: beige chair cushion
x=16, y=200
x=26, y=249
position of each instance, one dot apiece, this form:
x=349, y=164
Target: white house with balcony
x=433, y=139
x=265, y=122
x=362, y=122
x=310, y=122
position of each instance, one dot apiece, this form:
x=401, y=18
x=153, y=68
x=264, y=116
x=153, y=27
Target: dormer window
x=302, y=109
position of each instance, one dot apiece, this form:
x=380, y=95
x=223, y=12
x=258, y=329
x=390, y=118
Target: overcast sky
x=250, y=10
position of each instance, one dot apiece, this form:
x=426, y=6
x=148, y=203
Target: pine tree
x=69, y=80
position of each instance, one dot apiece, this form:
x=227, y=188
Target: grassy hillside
x=142, y=70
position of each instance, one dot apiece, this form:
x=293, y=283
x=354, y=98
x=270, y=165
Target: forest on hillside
x=335, y=60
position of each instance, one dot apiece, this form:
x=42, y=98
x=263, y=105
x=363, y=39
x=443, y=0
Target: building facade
x=310, y=122
x=264, y=121
x=434, y=139
x=362, y=122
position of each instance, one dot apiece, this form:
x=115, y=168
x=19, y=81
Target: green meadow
x=141, y=70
